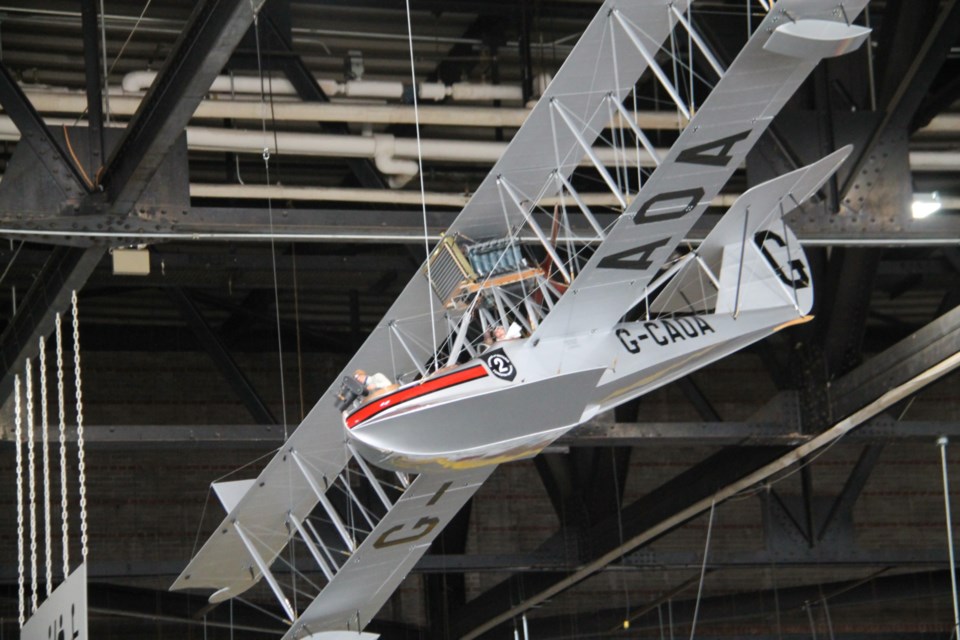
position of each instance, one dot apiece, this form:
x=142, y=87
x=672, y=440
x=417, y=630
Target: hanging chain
x=81, y=465
x=32, y=463
x=44, y=424
x=18, y=421
x=64, y=516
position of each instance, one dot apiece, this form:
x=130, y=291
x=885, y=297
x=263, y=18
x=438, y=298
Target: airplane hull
x=482, y=422
x=471, y=416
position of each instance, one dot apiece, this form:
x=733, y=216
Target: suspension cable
x=942, y=443
x=123, y=47
x=423, y=196
x=273, y=242
x=703, y=571
x=81, y=464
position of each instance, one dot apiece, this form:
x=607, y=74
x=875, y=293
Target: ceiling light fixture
x=925, y=204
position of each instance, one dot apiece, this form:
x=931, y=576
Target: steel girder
x=350, y=225
x=882, y=429
x=199, y=55
x=34, y=132
x=202, y=50
x=65, y=271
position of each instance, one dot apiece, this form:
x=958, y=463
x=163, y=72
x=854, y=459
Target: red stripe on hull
x=388, y=401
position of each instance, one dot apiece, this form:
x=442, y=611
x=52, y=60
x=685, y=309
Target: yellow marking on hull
x=654, y=376
x=476, y=463
x=462, y=464
x=791, y=323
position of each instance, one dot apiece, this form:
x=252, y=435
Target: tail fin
x=769, y=269
x=758, y=258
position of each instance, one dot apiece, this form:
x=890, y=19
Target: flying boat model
x=511, y=335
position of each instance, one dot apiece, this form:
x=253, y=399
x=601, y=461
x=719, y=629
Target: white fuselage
x=521, y=395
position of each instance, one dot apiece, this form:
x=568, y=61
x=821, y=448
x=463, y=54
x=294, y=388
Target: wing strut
x=265, y=571
x=377, y=489
x=325, y=502
x=657, y=71
x=697, y=40
x=743, y=248
x=709, y=272
x=326, y=549
x=641, y=136
x=558, y=107
x=587, y=213
x=403, y=343
x=528, y=216
x=311, y=547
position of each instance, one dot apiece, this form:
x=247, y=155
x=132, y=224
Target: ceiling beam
x=65, y=271
x=91, y=63
x=905, y=360
x=851, y=274
x=880, y=430
x=666, y=560
x=349, y=225
x=642, y=561
x=34, y=132
x=201, y=51
x=906, y=89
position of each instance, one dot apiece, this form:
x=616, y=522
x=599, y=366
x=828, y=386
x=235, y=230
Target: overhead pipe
x=54, y=100
x=50, y=101
x=396, y=156
x=390, y=148
x=385, y=147
x=393, y=156
x=139, y=81
x=381, y=196
x=122, y=103
x=47, y=100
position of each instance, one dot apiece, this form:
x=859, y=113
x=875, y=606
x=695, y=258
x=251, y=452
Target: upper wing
x=770, y=68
